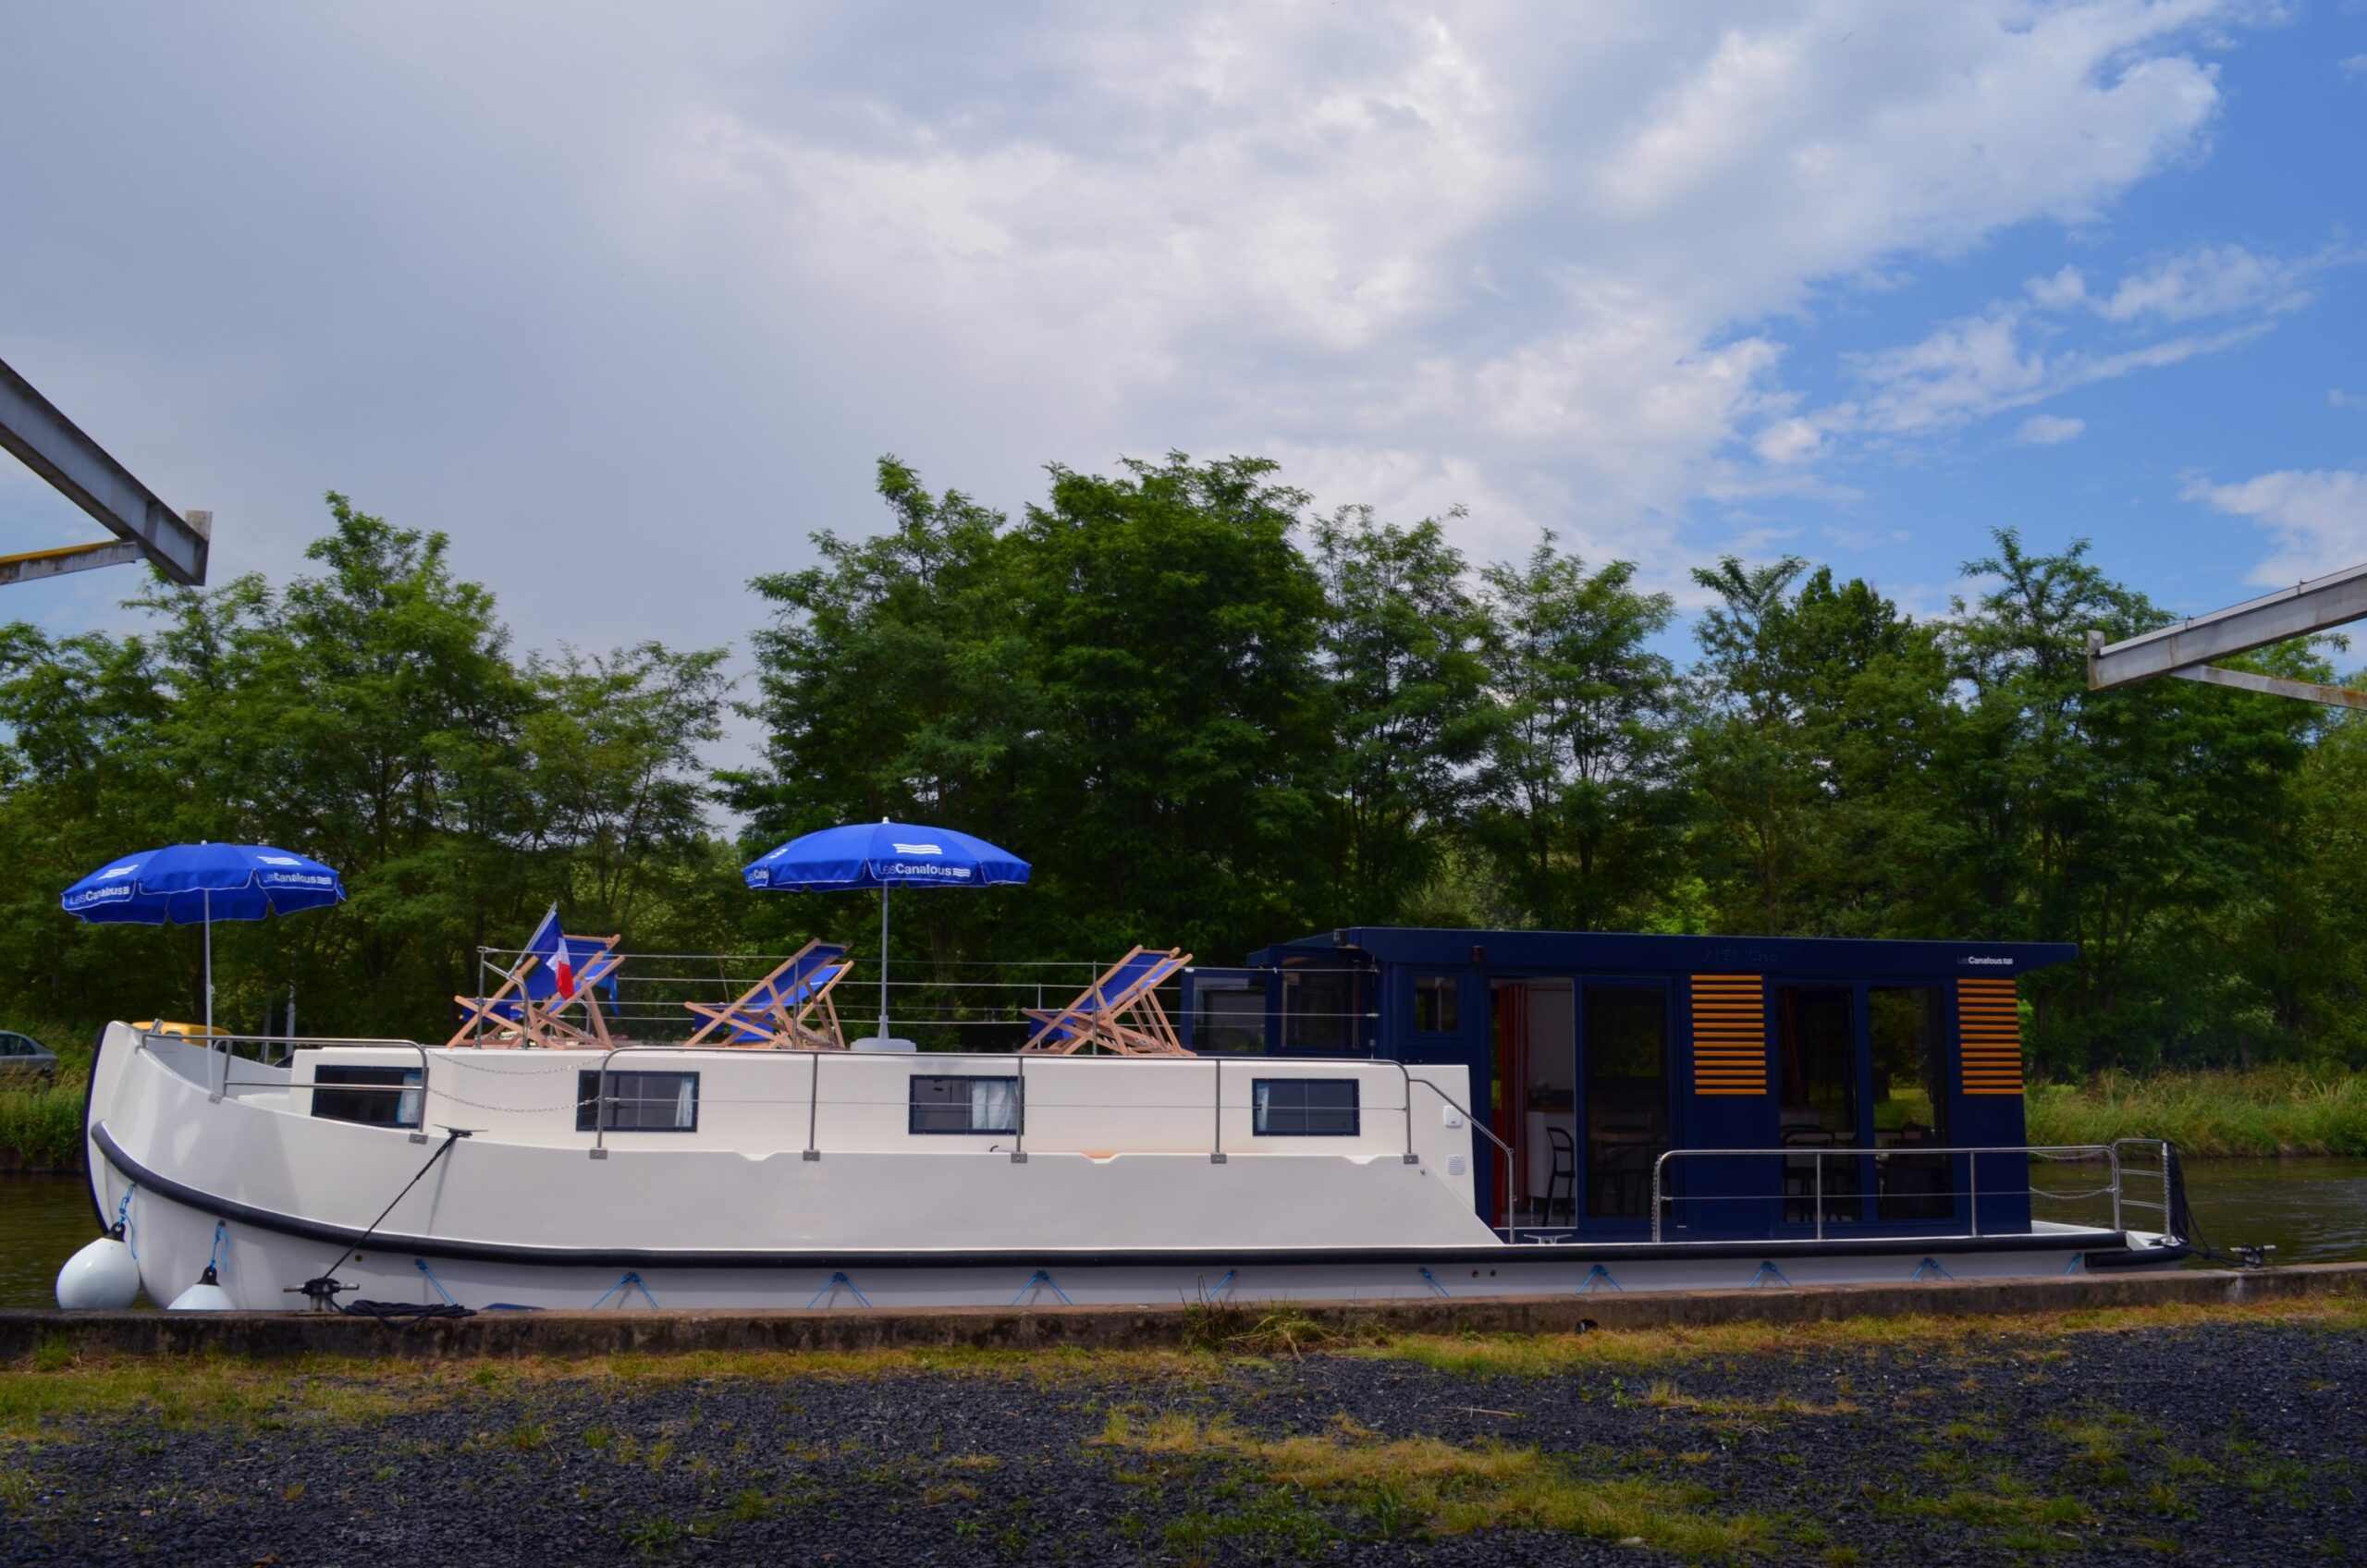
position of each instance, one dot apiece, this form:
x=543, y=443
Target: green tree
x=372, y=715
x=1580, y=814
x=617, y=772
x=895, y=679
x=1405, y=679
x=1173, y=782
x=2115, y=819
x=1755, y=781
x=1827, y=707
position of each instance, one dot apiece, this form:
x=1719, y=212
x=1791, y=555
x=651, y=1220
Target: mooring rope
x=323, y=1289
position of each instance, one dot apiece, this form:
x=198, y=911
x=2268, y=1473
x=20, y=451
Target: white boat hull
x=856, y=1211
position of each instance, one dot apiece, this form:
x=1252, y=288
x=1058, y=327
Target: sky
x=628, y=300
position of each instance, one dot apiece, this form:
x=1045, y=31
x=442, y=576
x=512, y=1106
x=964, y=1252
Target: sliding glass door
x=1622, y=1049
x=1817, y=1064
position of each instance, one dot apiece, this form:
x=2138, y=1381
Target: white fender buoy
x=207, y=1296
x=100, y=1278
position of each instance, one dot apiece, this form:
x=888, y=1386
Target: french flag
x=549, y=944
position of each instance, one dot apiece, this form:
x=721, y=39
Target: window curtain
x=686, y=1101
x=407, y=1104
x=994, y=1106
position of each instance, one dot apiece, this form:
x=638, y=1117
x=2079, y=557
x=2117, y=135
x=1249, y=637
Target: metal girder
x=2187, y=649
x=80, y=469
x=34, y=565
x=2245, y=680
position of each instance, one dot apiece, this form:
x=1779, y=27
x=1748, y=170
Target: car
x=21, y=1055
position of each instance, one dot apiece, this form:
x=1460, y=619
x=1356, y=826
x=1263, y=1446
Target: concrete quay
x=518, y=1334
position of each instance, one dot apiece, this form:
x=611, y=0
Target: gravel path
x=2231, y=1443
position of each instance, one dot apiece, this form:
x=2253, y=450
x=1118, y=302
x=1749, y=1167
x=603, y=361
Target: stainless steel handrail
x=223, y=1085
x=2107, y=1152
x=2159, y=1149
x=1512, y=1175
x=1216, y=1149
x=1018, y=1154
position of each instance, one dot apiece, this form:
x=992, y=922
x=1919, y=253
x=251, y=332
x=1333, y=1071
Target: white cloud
x=2355, y=64
x=2212, y=281
x=1543, y=247
x=683, y=274
x=2025, y=350
x=1788, y=441
x=2061, y=292
x=2339, y=398
x=2317, y=516
x=2048, y=429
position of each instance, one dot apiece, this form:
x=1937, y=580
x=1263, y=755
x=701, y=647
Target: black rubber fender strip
x=627, y=1257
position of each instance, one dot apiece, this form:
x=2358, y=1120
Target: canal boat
x=1368, y=1114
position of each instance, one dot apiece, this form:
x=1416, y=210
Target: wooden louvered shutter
x=1989, y=1036
x=1729, y=1034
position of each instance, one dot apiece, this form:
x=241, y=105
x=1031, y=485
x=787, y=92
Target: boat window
x=1319, y=1010
x=964, y=1104
x=1911, y=1102
x=640, y=1102
x=1303, y=1107
x=374, y=1096
x=1434, y=1003
x=1228, y=1019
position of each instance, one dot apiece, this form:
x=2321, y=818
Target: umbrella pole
x=209, y=967
x=883, y=961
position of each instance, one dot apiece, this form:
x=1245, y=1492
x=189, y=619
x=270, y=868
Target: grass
x=55, y=1385
x=1665, y=1395
x=1247, y=1488
x=2267, y=1110
x=2032, y=1334
x=40, y=1122
x=1428, y=1487
x=42, y=1127
x=1223, y=1329
x=48, y=1393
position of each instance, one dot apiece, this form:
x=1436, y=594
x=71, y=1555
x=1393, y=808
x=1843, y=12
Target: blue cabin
x=1713, y=1078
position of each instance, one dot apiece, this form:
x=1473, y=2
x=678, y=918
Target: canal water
x=2311, y=1210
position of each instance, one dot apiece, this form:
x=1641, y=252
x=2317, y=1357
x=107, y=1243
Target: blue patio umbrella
x=185, y=884
x=883, y=854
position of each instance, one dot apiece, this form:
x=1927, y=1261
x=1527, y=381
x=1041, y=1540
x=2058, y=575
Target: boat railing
x=2158, y=1150
x=1018, y=1153
x=1512, y=1163
x=223, y=1052
x=1854, y=1191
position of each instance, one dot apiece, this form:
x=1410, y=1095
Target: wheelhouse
x=1704, y=1086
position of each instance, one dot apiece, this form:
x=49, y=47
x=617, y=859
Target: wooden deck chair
x=788, y=1010
x=1119, y=1012
x=594, y=962
x=528, y=997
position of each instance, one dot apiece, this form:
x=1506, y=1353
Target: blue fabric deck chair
x=788, y=1010
x=1120, y=1012
x=556, y=979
